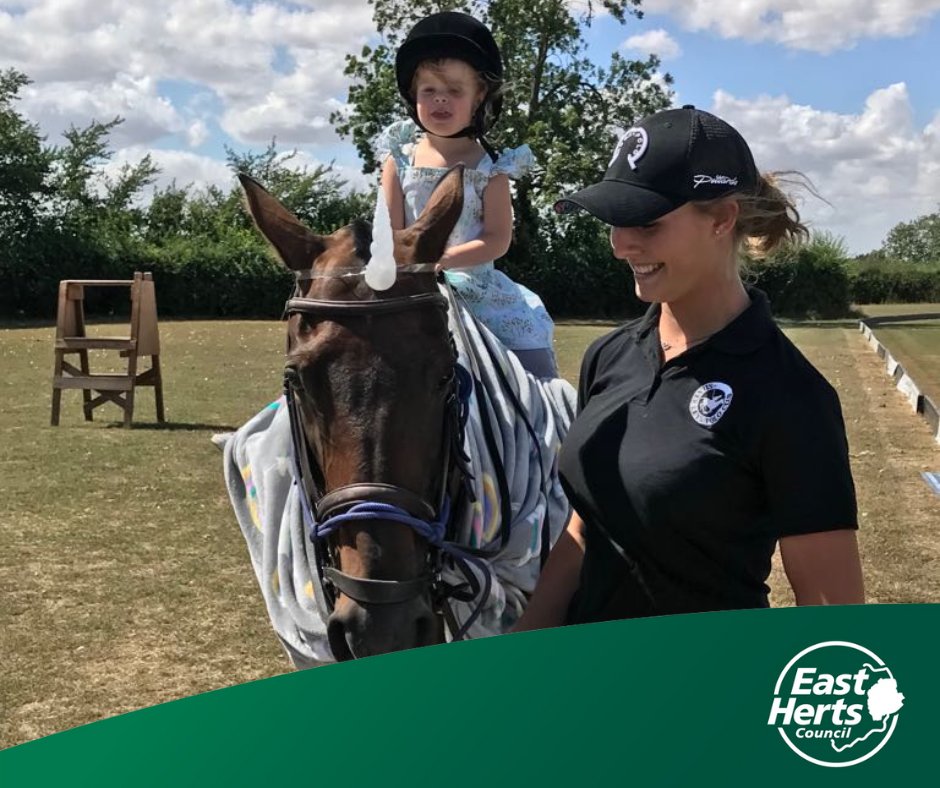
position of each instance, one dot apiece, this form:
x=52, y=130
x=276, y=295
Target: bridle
x=326, y=511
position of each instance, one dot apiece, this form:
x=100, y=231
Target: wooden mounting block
x=70, y=337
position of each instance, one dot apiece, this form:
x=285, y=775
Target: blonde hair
x=769, y=217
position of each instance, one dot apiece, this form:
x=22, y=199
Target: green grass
x=125, y=581
x=914, y=343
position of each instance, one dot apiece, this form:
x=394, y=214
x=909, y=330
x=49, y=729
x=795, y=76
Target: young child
x=449, y=73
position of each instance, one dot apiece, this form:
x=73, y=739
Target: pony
x=374, y=415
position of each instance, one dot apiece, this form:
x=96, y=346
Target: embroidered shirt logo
x=713, y=180
x=637, y=141
x=709, y=403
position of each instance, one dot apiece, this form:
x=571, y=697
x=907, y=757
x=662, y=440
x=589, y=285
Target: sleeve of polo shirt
x=805, y=463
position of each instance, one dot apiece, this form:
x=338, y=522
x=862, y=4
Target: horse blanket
x=259, y=475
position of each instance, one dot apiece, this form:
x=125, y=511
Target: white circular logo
x=835, y=704
x=709, y=403
x=637, y=140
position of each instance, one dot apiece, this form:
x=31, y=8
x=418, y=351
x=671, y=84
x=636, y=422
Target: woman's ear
x=724, y=215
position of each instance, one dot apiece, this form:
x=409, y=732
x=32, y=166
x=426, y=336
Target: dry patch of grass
x=889, y=446
x=124, y=578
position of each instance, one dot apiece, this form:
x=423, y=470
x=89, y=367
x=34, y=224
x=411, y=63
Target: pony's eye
x=292, y=376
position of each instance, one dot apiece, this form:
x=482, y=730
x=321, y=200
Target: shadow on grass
x=170, y=426
x=882, y=319
x=843, y=323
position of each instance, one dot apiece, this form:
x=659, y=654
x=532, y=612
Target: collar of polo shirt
x=745, y=334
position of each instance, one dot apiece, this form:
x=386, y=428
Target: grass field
x=124, y=579
x=913, y=342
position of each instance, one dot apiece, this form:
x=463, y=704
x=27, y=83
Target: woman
x=703, y=437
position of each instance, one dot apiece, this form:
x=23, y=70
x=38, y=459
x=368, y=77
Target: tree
x=563, y=105
x=318, y=196
x=915, y=242
x=25, y=163
x=85, y=195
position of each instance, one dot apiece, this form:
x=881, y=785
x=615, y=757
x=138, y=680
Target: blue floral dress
x=511, y=311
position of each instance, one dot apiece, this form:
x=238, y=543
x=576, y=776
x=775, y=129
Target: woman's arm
x=824, y=568
x=558, y=582
x=494, y=241
x=394, y=196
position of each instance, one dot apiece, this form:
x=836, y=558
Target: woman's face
x=678, y=255
x=447, y=95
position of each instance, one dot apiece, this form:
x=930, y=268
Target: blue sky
x=843, y=90
x=839, y=81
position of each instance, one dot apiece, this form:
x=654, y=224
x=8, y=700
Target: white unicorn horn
x=381, y=271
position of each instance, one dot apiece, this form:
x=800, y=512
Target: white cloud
x=197, y=133
x=800, y=24
x=876, y=168
x=185, y=168
x=147, y=116
x=657, y=42
x=97, y=58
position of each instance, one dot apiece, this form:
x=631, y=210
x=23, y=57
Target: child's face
x=447, y=95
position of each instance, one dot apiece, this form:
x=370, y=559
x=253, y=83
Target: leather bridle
x=325, y=511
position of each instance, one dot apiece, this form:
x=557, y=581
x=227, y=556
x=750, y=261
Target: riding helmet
x=451, y=34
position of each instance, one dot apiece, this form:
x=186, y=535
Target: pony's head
x=370, y=380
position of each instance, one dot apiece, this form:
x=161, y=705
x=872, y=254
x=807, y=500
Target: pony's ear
x=297, y=246
x=426, y=239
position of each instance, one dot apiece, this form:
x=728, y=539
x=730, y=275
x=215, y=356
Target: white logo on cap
x=709, y=403
x=713, y=180
x=639, y=140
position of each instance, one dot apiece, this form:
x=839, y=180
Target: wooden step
x=97, y=382
x=95, y=343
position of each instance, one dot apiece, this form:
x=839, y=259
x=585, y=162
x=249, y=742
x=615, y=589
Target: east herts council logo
x=836, y=704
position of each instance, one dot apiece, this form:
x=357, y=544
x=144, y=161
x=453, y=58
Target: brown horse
x=370, y=377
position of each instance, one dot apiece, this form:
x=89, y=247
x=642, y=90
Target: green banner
x=795, y=697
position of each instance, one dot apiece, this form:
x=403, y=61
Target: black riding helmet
x=451, y=34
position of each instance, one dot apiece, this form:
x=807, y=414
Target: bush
x=892, y=281
x=574, y=272
x=233, y=276
x=805, y=280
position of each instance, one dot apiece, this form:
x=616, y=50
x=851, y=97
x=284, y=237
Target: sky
x=845, y=91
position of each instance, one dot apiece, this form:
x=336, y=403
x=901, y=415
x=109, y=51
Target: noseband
x=327, y=511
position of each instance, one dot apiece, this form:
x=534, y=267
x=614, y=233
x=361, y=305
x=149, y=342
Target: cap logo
x=637, y=141
x=713, y=180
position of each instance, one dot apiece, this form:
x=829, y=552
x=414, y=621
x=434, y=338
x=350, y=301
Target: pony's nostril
x=339, y=644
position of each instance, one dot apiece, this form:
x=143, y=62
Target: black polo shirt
x=687, y=473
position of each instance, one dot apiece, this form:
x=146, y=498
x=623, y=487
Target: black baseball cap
x=665, y=161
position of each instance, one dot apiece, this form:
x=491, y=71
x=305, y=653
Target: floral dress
x=511, y=311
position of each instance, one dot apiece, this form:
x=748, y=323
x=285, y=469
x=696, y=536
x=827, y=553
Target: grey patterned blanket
x=259, y=476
